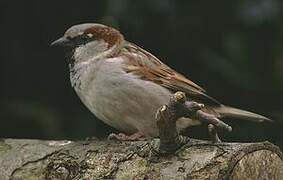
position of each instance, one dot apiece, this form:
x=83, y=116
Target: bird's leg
x=213, y=134
x=138, y=136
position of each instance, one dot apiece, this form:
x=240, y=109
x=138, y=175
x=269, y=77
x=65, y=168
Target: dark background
x=231, y=48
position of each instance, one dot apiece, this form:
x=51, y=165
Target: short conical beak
x=61, y=42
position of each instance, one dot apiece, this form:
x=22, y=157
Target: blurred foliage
x=231, y=48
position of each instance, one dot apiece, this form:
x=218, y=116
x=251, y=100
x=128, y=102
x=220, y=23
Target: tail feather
x=226, y=111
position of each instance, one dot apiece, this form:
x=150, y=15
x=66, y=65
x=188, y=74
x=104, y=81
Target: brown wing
x=148, y=67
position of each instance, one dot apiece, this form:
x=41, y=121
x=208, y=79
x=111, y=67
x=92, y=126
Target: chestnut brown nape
x=108, y=34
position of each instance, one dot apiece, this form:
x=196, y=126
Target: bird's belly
x=126, y=103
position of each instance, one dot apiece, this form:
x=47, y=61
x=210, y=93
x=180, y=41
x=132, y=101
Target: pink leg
x=138, y=136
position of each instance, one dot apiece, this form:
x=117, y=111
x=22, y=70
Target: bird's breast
x=122, y=100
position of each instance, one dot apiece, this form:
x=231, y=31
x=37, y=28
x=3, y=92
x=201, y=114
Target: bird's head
x=90, y=40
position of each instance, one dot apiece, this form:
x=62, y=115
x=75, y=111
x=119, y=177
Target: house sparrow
x=124, y=85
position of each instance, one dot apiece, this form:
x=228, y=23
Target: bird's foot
x=138, y=136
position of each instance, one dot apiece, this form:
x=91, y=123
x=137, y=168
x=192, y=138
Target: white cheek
x=95, y=46
x=90, y=50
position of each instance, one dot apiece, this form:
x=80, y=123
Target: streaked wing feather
x=147, y=66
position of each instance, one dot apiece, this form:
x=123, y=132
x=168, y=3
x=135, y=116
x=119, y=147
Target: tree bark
x=97, y=159
x=171, y=157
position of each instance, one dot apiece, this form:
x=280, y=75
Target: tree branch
x=170, y=157
x=35, y=159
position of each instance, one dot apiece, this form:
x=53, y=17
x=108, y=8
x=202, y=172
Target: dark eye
x=80, y=39
x=85, y=37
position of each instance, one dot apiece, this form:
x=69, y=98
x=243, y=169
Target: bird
x=123, y=85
